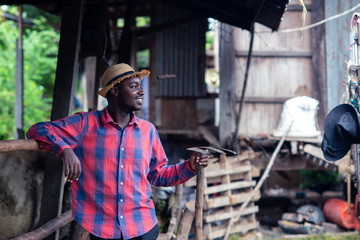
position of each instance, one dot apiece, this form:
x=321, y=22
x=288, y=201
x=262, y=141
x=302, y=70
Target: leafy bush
x=40, y=47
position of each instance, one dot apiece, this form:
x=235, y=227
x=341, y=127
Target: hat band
x=119, y=76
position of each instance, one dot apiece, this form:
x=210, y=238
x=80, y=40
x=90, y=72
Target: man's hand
x=199, y=158
x=71, y=164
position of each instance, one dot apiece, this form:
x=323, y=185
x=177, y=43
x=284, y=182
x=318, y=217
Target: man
x=114, y=156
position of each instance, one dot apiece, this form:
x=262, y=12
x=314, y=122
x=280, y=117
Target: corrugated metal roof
x=241, y=14
x=180, y=51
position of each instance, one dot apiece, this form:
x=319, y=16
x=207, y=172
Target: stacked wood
x=228, y=182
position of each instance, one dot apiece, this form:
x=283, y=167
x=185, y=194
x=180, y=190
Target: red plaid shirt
x=112, y=196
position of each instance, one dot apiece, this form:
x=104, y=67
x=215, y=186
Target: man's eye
x=136, y=87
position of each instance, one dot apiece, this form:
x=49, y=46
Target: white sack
x=302, y=110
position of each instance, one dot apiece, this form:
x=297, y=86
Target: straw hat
x=116, y=74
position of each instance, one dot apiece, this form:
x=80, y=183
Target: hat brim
x=143, y=73
x=332, y=120
x=332, y=153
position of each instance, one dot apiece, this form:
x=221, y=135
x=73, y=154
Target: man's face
x=131, y=94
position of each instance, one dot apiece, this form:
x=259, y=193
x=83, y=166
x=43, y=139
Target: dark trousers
x=151, y=235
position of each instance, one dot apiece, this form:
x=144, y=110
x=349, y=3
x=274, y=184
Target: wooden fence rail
x=48, y=228
x=19, y=145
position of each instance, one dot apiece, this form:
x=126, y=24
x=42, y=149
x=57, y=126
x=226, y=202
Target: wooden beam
x=227, y=84
x=101, y=48
x=19, y=145
x=19, y=87
x=67, y=65
x=319, y=61
x=152, y=67
x=170, y=24
x=279, y=54
x=48, y=228
x=127, y=35
x=275, y=99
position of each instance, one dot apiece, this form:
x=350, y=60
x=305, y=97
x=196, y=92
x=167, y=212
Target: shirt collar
x=106, y=118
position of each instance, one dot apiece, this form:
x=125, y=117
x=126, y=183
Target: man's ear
x=114, y=90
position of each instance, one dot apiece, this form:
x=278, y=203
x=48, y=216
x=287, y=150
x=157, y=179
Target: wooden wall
x=281, y=68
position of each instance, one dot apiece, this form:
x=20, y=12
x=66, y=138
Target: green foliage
x=310, y=179
x=40, y=46
x=209, y=40
x=143, y=58
x=143, y=21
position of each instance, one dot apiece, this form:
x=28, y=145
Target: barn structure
x=259, y=68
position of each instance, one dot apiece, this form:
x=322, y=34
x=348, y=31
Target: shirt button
x=122, y=149
x=122, y=166
x=121, y=217
x=121, y=200
x=121, y=183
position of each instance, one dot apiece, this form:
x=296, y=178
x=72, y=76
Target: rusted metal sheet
x=180, y=51
x=337, y=48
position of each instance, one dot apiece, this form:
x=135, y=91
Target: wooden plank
x=227, y=83
x=242, y=227
x=233, y=170
x=223, y=215
x=277, y=54
x=212, y=180
x=225, y=180
x=266, y=40
x=265, y=99
x=229, y=186
x=209, y=136
x=319, y=61
x=279, y=58
x=233, y=161
x=185, y=223
x=230, y=200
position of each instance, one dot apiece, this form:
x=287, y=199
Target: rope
x=317, y=23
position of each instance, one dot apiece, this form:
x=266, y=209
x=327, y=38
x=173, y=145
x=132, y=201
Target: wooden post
x=127, y=35
x=65, y=79
x=199, y=202
x=318, y=60
x=19, y=87
x=184, y=226
x=227, y=84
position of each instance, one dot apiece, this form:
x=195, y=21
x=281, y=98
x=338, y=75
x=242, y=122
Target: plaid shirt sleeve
x=160, y=173
x=55, y=136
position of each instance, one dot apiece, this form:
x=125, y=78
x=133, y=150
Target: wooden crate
x=228, y=183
